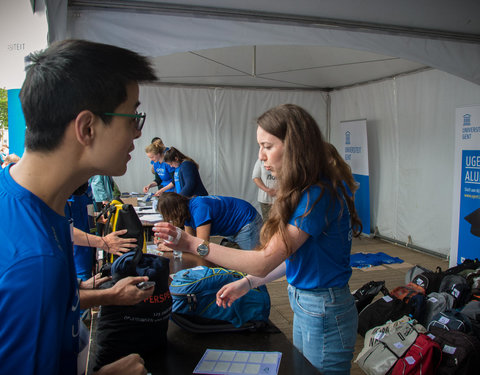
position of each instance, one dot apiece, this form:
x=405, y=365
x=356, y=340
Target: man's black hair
x=71, y=76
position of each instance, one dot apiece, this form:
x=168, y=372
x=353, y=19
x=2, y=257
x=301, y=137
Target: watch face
x=202, y=249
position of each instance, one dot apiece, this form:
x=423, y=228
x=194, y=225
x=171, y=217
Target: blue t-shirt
x=323, y=261
x=39, y=300
x=77, y=209
x=188, y=181
x=227, y=215
x=165, y=172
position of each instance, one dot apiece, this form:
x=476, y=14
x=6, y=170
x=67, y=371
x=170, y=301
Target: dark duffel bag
x=141, y=328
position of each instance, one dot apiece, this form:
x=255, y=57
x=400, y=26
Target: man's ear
x=84, y=127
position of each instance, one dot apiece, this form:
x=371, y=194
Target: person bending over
x=213, y=215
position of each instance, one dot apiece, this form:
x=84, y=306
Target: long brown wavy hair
x=342, y=168
x=306, y=161
x=174, y=208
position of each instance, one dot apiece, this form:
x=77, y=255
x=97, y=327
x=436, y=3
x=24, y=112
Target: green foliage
x=3, y=109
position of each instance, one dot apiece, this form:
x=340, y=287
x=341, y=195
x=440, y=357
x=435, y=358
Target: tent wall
x=410, y=122
x=216, y=127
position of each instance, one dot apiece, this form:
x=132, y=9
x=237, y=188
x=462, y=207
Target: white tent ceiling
x=299, y=44
x=312, y=67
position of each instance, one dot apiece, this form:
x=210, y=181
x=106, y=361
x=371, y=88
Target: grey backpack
x=436, y=302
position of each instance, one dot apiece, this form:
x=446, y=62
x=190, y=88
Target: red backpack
x=423, y=357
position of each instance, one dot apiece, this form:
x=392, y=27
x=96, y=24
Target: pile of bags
x=430, y=325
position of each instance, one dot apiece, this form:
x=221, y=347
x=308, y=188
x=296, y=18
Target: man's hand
x=125, y=291
x=114, y=244
x=96, y=281
x=272, y=192
x=161, y=245
x=132, y=364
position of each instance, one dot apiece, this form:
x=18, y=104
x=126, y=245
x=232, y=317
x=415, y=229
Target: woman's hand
x=146, y=189
x=229, y=293
x=173, y=237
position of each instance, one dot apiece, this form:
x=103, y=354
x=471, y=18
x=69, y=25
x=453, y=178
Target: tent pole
x=254, y=62
x=328, y=116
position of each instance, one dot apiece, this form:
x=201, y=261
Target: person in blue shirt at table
x=80, y=102
x=155, y=152
x=187, y=179
x=212, y=215
x=307, y=238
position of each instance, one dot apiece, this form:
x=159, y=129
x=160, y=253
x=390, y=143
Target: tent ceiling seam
x=259, y=76
x=424, y=69
x=268, y=17
x=325, y=89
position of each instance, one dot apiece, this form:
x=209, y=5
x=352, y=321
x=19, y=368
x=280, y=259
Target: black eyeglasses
x=138, y=118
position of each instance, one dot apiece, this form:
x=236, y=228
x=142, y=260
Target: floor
x=394, y=275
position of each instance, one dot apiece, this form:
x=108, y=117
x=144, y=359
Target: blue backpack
x=194, y=308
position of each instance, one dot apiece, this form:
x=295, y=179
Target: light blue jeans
x=325, y=327
x=248, y=237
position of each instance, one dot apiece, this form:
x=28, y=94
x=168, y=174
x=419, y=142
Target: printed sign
x=465, y=242
x=355, y=153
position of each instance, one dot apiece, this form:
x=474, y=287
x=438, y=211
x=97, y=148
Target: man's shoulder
x=31, y=229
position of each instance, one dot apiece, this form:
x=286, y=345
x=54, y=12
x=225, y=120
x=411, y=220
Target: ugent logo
x=467, y=119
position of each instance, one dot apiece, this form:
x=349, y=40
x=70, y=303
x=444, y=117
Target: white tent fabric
x=410, y=122
x=216, y=127
x=157, y=35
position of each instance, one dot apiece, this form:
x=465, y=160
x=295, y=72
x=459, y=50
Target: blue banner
x=469, y=223
x=465, y=243
x=16, y=123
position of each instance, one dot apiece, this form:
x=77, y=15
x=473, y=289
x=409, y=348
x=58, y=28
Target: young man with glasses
x=80, y=103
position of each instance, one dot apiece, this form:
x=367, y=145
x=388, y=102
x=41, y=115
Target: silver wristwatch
x=203, y=249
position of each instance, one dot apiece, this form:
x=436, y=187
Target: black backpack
x=460, y=352
x=451, y=320
x=472, y=311
x=141, y=328
x=429, y=280
x=458, y=287
x=123, y=216
x=466, y=264
x=381, y=311
x=367, y=292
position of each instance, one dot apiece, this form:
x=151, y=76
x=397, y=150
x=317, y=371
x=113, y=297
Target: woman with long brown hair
x=186, y=177
x=307, y=237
